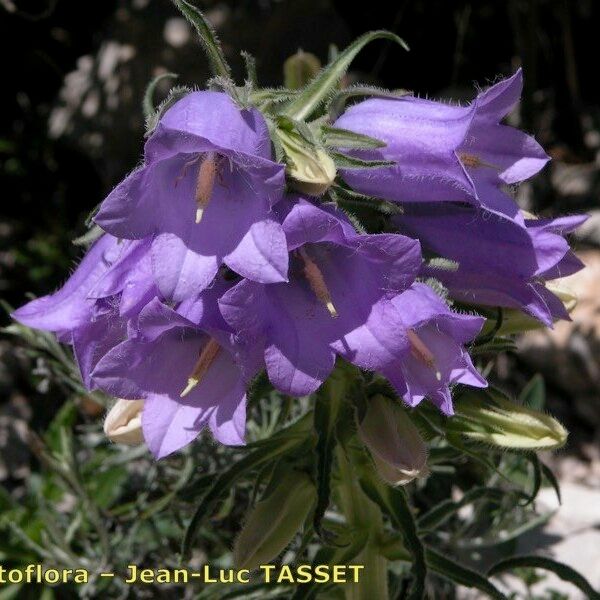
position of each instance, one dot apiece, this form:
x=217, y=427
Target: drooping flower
x=205, y=194
x=188, y=370
x=444, y=152
x=435, y=357
x=349, y=295
x=91, y=311
x=499, y=262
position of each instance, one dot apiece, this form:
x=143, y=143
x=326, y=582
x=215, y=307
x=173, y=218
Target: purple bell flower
x=189, y=371
x=205, y=195
x=92, y=309
x=345, y=297
x=499, y=262
x=444, y=152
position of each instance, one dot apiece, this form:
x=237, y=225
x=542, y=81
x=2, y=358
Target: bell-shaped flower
x=92, y=309
x=444, y=152
x=349, y=294
x=335, y=301
x=205, y=195
x=434, y=357
x=498, y=261
x=188, y=370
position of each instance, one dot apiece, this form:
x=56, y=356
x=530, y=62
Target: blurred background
x=71, y=127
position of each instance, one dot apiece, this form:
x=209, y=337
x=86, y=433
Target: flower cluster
x=210, y=270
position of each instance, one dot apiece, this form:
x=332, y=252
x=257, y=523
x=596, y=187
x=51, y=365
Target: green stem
x=362, y=514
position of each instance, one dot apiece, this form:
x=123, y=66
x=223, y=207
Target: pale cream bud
x=310, y=169
x=123, y=423
x=487, y=416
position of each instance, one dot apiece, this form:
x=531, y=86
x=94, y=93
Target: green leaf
x=176, y=93
x=250, y=62
x=344, y=138
x=551, y=477
x=343, y=161
x=321, y=86
x=394, y=503
x=532, y=457
x=299, y=69
x=461, y=575
x=332, y=555
x=89, y=237
x=274, y=521
x=441, y=512
x=329, y=405
x=534, y=393
x=495, y=540
x=563, y=571
x=208, y=38
x=148, y=101
x=262, y=453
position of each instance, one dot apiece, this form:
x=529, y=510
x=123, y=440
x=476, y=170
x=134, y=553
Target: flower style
x=444, y=152
x=187, y=369
x=345, y=297
x=205, y=195
x=499, y=262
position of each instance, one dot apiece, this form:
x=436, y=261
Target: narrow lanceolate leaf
x=441, y=512
x=461, y=575
x=332, y=555
x=329, y=405
x=262, y=454
x=551, y=477
x=148, y=102
x=315, y=93
x=208, y=38
x=274, y=521
x=533, y=395
x=175, y=93
x=250, y=62
x=343, y=161
x=89, y=237
x=344, y=138
x=394, y=503
x=563, y=571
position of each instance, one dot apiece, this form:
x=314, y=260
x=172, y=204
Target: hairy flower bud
x=310, y=168
x=490, y=417
x=398, y=451
x=299, y=69
x=274, y=521
x=123, y=422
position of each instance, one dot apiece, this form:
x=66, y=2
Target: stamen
x=207, y=357
x=317, y=282
x=472, y=161
x=421, y=352
x=205, y=183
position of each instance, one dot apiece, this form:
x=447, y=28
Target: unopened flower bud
x=299, y=69
x=491, y=418
x=123, y=423
x=310, y=169
x=274, y=521
x=397, y=449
